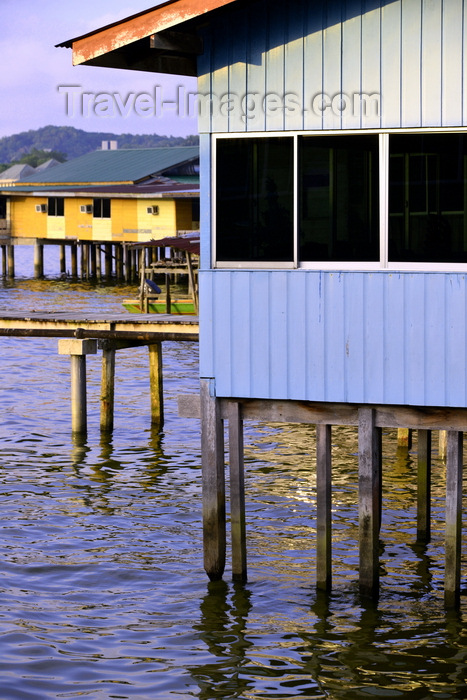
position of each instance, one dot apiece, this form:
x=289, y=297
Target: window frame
x=384, y=264
x=56, y=200
x=101, y=200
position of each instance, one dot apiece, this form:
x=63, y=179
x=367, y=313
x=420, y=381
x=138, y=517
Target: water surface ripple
x=102, y=589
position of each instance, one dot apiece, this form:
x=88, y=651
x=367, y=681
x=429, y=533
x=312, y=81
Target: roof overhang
x=150, y=41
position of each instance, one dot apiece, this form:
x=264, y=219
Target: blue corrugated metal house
x=333, y=200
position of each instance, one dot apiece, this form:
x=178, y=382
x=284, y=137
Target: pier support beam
x=404, y=438
x=156, y=385
x=38, y=260
x=74, y=260
x=78, y=349
x=237, y=493
x=369, y=481
x=212, y=456
x=424, y=486
x=62, y=258
x=107, y=386
x=10, y=260
x=453, y=518
x=324, y=504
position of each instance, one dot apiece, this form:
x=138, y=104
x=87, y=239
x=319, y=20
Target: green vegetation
x=68, y=143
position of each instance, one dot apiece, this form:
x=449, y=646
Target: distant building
x=110, y=195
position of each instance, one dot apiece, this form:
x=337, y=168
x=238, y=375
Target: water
x=102, y=589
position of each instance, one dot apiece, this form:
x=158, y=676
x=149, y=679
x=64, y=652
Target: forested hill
x=76, y=142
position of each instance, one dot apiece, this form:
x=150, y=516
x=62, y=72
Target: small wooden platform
x=85, y=324
x=82, y=333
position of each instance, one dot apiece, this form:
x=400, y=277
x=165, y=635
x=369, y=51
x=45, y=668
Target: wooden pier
x=83, y=333
x=369, y=420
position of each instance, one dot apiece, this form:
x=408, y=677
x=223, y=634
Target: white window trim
x=383, y=264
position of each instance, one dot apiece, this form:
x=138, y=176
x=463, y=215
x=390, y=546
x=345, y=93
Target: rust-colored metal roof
x=106, y=46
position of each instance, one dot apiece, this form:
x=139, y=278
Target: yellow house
x=126, y=195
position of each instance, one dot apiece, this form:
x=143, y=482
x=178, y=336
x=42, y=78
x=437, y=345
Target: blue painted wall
x=396, y=338
x=364, y=337
x=410, y=52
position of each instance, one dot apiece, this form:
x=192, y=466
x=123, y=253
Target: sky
x=35, y=76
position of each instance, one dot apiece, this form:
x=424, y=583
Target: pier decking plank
x=122, y=325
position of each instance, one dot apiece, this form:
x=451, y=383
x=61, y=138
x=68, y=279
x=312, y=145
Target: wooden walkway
x=84, y=324
x=82, y=333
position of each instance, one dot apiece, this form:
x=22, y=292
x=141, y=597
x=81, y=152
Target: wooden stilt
x=156, y=384
x=93, y=259
x=237, y=493
x=212, y=456
x=62, y=257
x=442, y=444
x=404, y=438
x=127, y=263
x=369, y=500
x=78, y=349
x=4, y=258
x=38, y=260
x=424, y=486
x=98, y=262
x=11, y=260
x=119, y=261
x=83, y=260
x=453, y=518
x=324, y=504
x=74, y=261
x=107, y=387
x=108, y=260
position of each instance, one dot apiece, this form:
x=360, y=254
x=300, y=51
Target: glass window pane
x=106, y=208
x=426, y=198
x=97, y=208
x=254, y=199
x=338, y=198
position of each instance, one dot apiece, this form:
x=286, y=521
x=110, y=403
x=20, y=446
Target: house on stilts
x=333, y=286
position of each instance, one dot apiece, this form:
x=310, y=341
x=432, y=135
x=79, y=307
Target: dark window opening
x=254, y=200
x=427, y=181
x=101, y=208
x=338, y=198
x=56, y=206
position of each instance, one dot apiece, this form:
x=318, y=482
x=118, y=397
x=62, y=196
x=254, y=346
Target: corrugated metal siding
x=397, y=338
x=411, y=52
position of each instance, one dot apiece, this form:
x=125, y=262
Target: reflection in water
x=224, y=612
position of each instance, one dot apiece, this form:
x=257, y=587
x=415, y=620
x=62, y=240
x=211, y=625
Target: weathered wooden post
x=404, y=438
x=237, y=492
x=442, y=444
x=156, y=384
x=38, y=260
x=453, y=518
x=98, y=262
x=212, y=457
x=107, y=385
x=369, y=481
x=108, y=260
x=62, y=259
x=4, y=255
x=11, y=260
x=74, y=260
x=424, y=486
x=324, y=504
x=78, y=349
x=93, y=259
x=119, y=261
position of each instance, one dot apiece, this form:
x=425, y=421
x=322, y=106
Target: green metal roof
x=121, y=165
